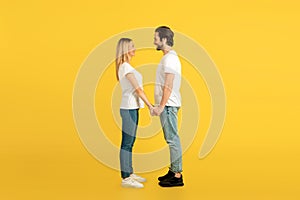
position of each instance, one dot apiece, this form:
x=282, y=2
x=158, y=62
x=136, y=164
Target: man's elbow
x=168, y=87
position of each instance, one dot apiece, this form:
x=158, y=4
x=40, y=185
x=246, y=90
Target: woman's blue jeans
x=130, y=119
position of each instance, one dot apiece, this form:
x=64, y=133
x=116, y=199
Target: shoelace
x=131, y=180
x=134, y=176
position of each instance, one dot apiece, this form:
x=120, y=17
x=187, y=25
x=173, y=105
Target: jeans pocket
x=172, y=110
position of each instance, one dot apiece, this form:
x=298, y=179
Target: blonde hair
x=122, y=53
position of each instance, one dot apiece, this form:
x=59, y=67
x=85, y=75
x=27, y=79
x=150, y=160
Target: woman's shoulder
x=126, y=64
x=125, y=68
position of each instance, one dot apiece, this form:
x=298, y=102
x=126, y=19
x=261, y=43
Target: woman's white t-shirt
x=130, y=100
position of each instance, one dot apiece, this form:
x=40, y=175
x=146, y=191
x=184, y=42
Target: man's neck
x=166, y=50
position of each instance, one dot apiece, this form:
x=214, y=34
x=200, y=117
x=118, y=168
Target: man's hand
x=167, y=90
x=158, y=110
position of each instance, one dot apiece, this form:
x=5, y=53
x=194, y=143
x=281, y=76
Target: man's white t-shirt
x=169, y=63
x=130, y=100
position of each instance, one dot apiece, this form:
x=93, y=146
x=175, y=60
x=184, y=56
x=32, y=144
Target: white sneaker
x=138, y=178
x=131, y=183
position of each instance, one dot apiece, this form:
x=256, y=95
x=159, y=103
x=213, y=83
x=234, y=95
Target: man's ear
x=164, y=40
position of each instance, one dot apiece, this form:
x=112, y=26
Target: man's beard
x=158, y=48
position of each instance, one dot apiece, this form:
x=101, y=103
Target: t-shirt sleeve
x=170, y=64
x=126, y=68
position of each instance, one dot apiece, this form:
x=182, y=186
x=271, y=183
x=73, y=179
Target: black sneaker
x=168, y=175
x=172, y=182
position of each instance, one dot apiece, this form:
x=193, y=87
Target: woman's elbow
x=139, y=91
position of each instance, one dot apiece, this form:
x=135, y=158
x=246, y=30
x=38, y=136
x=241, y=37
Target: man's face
x=157, y=42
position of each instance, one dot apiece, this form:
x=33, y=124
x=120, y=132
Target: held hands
x=158, y=110
x=155, y=111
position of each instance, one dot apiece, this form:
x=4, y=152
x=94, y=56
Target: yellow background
x=255, y=45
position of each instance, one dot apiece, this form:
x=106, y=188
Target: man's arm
x=167, y=90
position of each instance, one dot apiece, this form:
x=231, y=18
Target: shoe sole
x=171, y=185
x=129, y=186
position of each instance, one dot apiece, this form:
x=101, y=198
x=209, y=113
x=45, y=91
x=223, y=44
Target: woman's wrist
x=150, y=106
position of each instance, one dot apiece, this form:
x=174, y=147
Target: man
x=168, y=102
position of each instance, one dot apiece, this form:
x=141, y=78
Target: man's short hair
x=166, y=32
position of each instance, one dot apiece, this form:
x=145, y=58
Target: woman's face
x=131, y=51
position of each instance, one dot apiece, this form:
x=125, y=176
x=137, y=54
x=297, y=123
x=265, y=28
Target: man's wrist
x=161, y=107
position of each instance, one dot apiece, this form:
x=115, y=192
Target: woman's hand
x=158, y=110
x=151, y=108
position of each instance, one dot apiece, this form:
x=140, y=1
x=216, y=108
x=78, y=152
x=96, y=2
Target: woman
x=133, y=98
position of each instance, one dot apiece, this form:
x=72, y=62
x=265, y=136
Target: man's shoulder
x=171, y=59
x=171, y=54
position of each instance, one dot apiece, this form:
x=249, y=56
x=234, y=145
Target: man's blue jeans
x=130, y=120
x=168, y=119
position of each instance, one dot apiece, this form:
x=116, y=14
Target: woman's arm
x=138, y=89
